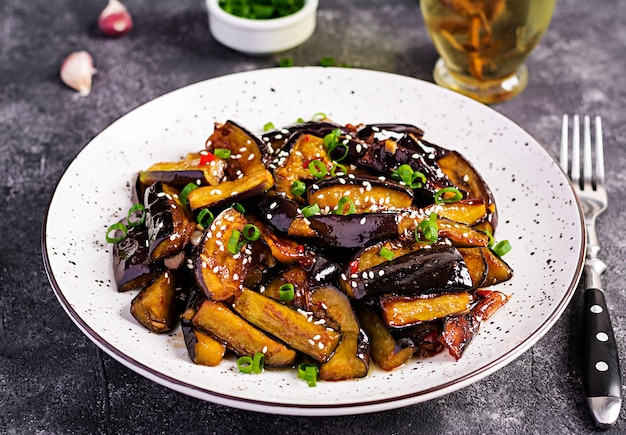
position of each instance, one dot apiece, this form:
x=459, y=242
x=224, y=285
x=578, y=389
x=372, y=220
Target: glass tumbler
x=483, y=44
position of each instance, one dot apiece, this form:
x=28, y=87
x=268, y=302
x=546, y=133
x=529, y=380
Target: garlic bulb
x=115, y=20
x=77, y=70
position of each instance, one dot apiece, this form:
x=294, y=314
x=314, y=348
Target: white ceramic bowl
x=262, y=37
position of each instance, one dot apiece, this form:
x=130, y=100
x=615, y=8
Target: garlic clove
x=77, y=70
x=115, y=20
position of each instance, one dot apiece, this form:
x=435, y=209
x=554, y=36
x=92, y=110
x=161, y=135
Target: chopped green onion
x=342, y=169
x=286, y=292
x=429, y=227
x=332, y=138
x=132, y=213
x=502, y=248
x=183, y=196
x=441, y=199
x=251, y=232
x=233, y=242
x=319, y=116
x=317, y=168
x=300, y=121
x=406, y=174
x=328, y=61
x=247, y=364
x=310, y=210
x=341, y=205
x=268, y=126
x=308, y=372
x=116, y=229
x=386, y=253
x=239, y=208
x=205, y=218
x=285, y=62
x=260, y=10
x=222, y=153
x=298, y=188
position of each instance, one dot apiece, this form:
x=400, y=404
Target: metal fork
x=601, y=369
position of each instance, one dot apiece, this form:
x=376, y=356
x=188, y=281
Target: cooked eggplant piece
x=296, y=276
x=384, y=350
x=169, y=227
x=229, y=192
x=465, y=177
x=193, y=169
x=458, y=331
x=386, y=156
x=497, y=269
x=219, y=272
x=476, y=264
x=292, y=162
x=438, y=269
x=460, y=235
x=423, y=337
x=371, y=256
x=369, y=194
x=157, y=306
x=245, y=171
x=262, y=265
x=216, y=319
x=203, y=349
x=288, y=325
x=485, y=267
x=466, y=211
x=285, y=250
x=351, y=357
x=247, y=152
x=353, y=230
x=277, y=210
x=131, y=261
x=323, y=271
x=401, y=311
x=370, y=132
x=276, y=139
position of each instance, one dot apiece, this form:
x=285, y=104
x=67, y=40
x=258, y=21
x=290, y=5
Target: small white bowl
x=262, y=37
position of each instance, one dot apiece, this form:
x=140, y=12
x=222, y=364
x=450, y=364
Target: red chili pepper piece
x=207, y=158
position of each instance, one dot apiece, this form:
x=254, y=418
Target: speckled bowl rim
x=363, y=404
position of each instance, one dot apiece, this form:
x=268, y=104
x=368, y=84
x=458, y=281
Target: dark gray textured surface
x=54, y=380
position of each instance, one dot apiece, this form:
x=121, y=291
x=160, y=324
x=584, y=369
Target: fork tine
x=587, y=164
x=564, y=144
x=575, y=170
x=599, y=152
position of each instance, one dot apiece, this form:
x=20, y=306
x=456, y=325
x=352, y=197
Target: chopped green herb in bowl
x=261, y=9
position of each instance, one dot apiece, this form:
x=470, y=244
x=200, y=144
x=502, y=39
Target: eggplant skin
x=131, y=261
x=277, y=210
x=353, y=230
x=439, y=269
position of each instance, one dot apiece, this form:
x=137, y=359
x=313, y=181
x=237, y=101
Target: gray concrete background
x=54, y=380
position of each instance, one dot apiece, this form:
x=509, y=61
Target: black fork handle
x=601, y=368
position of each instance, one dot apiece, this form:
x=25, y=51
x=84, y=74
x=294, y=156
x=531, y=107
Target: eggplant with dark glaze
x=246, y=174
x=351, y=357
x=354, y=230
x=158, y=305
x=203, y=349
x=367, y=193
x=386, y=156
x=277, y=210
x=131, y=260
x=169, y=227
x=438, y=269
